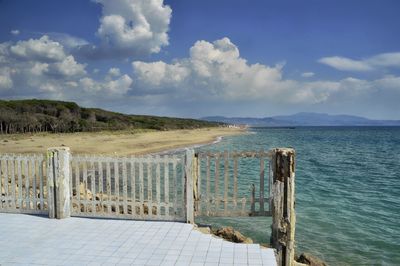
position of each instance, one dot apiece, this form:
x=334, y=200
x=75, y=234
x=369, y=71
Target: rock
x=228, y=233
x=311, y=260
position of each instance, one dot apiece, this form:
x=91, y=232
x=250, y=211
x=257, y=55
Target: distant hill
x=56, y=116
x=304, y=119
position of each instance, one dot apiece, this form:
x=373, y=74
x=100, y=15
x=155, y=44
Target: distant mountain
x=304, y=119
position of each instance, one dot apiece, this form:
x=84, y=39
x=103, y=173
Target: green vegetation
x=22, y=116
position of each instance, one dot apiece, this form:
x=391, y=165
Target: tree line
x=33, y=116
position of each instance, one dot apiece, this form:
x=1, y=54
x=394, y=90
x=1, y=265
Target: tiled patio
x=26, y=239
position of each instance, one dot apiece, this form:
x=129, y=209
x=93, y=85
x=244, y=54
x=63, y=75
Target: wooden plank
x=141, y=189
x=198, y=185
x=189, y=156
x=253, y=199
x=175, y=184
x=42, y=183
x=149, y=186
x=6, y=187
x=235, y=181
x=226, y=181
x=216, y=184
x=262, y=170
x=125, y=185
x=166, y=183
x=108, y=185
x=20, y=190
x=85, y=186
x=208, y=192
x=34, y=176
x=93, y=184
x=158, y=185
x=133, y=187
x=116, y=186
x=27, y=177
x=101, y=181
x=78, y=184
x=13, y=199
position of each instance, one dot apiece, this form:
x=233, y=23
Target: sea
x=347, y=191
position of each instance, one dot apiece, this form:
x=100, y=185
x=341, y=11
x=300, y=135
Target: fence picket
x=141, y=188
x=125, y=185
x=226, y=181
x=20, y=182
x=166, y=184
x=216, y=184
x=108, y=183
x=93, y=184
x=158, y=184
x=235, y=181
x=262, y=170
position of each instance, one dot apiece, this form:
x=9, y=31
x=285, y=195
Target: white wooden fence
x=23, y=184
x=147, y=187
x=225, y=185
x=174, y=188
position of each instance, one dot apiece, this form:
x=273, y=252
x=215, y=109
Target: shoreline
x=117, y=143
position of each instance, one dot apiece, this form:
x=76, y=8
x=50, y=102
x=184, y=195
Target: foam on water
x=347, y=190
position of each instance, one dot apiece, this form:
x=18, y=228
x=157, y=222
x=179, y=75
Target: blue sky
x=198, y=58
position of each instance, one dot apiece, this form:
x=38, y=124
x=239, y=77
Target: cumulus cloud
x=216, y=70
x=5, y=78
x=366, y=64
x=114, y=72
x=14, y=32
x=307, y=74
x=133, y=27
x=39, y=49
x=43, y=67
x=115, y=87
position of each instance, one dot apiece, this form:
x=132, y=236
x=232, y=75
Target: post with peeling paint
x=282, y=205
x=189, y=158
x=58, y=173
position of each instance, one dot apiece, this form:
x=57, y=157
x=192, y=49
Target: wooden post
x=59, y=194
x=189, y=156
x=283, y=203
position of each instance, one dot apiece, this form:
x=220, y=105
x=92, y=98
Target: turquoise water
x=347, y=191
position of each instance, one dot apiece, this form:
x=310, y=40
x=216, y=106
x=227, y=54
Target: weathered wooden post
x=282, y=205
x=189, y=157
x=58, y=190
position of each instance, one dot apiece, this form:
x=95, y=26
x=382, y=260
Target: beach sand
x=119, y=143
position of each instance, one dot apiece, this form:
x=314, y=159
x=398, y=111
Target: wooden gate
x=23, y=184
x=147, y=188
x=224, y=188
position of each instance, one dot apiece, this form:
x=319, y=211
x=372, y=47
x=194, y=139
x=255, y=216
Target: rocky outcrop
x=228, y=233
x=308, y=259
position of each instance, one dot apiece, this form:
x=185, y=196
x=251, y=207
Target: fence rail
x=23, y=184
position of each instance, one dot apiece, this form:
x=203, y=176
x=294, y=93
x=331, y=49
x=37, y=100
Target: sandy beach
x=113, y=143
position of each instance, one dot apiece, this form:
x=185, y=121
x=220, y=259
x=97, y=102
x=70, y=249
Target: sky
x=191, y=58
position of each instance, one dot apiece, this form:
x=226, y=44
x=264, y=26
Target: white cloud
x=115, y=87
x=69, y=67
x=366, y=64
x=14, y=32
x=307, y=74
x=5, y=78
x=134, y=27
x=114, y=72
x=345, y=64
x=39, y=49
x=216, y=70
x=160, y=74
